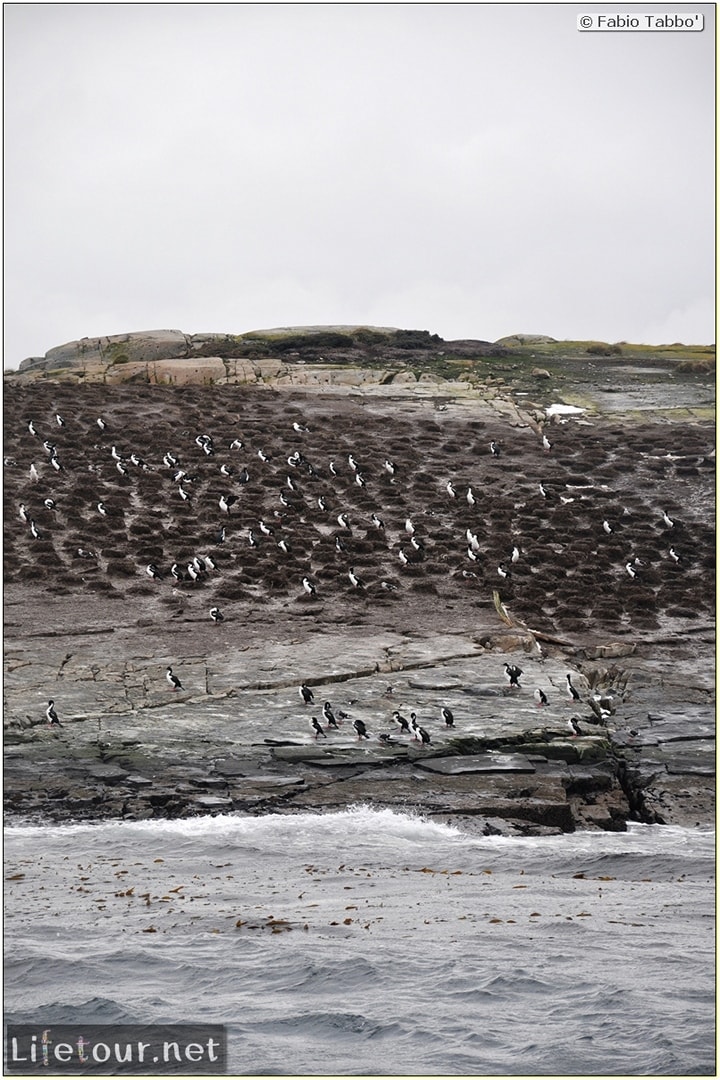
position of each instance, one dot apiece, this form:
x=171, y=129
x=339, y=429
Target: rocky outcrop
x=363, y=354
x=95, y=354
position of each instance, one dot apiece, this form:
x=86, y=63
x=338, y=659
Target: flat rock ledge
x=237, y=739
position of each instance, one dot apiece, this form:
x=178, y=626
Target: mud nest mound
x=613, y=528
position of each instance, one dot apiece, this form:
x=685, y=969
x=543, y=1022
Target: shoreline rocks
x=86, y=625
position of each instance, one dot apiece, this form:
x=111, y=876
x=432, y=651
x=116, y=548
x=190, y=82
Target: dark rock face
x=84, y=615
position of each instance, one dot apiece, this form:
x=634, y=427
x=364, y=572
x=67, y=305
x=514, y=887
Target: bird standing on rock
x=330, y=716
x=540, y=698
x=52, y=716
x=216, y=615
x=447, y=716
x=574, y=727
x=401, y=723
x=316, y=727
x=572, y=692
x=513, y=673
x=361, y=729
x=306, y=694
x=173, y=680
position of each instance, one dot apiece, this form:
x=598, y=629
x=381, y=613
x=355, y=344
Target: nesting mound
x=306, y=460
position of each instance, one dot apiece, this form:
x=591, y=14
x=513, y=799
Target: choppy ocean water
x=373, y=942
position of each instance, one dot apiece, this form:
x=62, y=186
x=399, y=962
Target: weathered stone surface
x=119, y=349
x=478, y=763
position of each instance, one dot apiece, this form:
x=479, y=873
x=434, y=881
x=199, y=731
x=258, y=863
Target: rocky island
x=393, y=521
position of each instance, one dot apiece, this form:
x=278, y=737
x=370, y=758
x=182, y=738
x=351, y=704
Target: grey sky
x=473, y=170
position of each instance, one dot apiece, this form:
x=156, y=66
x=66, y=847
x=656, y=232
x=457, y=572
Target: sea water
x=373, y=942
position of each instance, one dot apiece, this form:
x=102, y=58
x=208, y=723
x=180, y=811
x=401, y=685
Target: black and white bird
x=52, y=716
x=173, y=680
x=546, y=444
x=503, y=570
x=513, y=673
x=607, y=527
x=409, y=527
x=401, y=722
x=36, y=534
x=402, y=556
x=263, y=456
x=176, y=572
x=471, y=500
x=306, y=694
x=447, y=716
x=377, y=521
x=473, y=541
x=355, y=581
x=390, y=466
x=216, y=615
x=101, y=423
x=571, y=690
x=34, y=474
x=59, y=419
x=494, y=449
x=102, y=509
x=574, y=727
x=225, y=502
x=309, y=587
x=674, y=555
x=361, y=729
x=543, y=490
x=183, y=494
x=451, y=490
x=330, y=717
x=31, y=428
x=343, y=521
x=631, y=569
x=316, y=727
x=22, y=513
x=515, y=554
x=540, y=698
x=423, y=735
x=667, y=520
x=152, y=571
x=236, y=444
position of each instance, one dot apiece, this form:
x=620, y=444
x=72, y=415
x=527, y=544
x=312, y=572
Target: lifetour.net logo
x=115, y=1050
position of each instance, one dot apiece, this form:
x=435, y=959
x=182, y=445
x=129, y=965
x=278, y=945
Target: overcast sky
x=474, y=170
